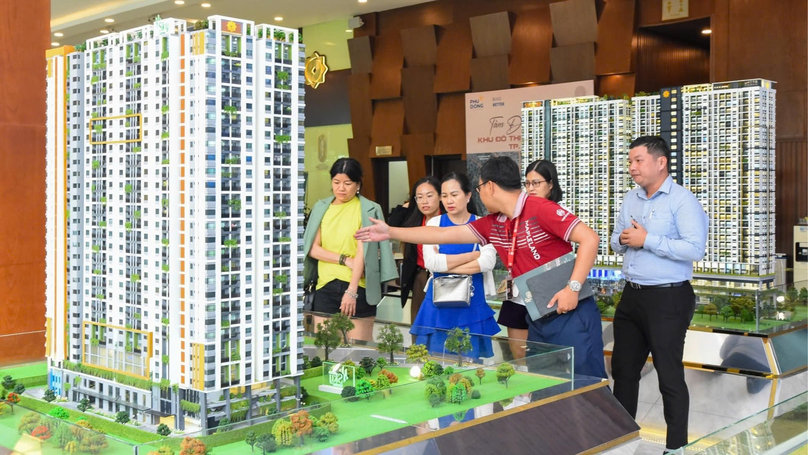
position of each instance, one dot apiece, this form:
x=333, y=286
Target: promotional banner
x=494, y=119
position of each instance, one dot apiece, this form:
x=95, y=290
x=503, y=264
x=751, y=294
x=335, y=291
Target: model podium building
x=722, y=138
x=175, y=158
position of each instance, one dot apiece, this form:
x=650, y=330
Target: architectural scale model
x=174, y=195
x=722, y=144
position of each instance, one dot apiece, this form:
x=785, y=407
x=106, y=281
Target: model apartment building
x=722, y=139
x=175, y=177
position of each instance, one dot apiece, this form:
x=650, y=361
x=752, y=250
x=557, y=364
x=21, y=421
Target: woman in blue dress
x=467, y=259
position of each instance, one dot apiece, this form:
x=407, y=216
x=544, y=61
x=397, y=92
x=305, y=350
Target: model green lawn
x=29, y=375
x=405, y=404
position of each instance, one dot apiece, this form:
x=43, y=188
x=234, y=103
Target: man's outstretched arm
x=380, y=231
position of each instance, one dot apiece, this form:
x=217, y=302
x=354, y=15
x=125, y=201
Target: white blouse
x=436, y=262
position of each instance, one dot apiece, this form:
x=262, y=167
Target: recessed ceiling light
x=109, y=20
x=363, y=1
x=104, y=31
x=179, y=2
x=54, y=43
x=706, y=31
x=278, y=18
x=348, y=31
x=58, y=34
x=205, y=5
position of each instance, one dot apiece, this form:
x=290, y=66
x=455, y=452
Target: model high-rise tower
x=178, y=191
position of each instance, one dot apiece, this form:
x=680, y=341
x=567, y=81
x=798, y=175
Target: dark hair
x=547, y=170
x=656, y=146
x=414, y=216
x=503, y=171
x=465, y=186
x=349, y=167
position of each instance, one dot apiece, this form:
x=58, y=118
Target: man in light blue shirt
x=661, y=230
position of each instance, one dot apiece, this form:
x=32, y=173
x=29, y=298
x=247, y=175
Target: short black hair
x=349, y=167
x=503, y=171
x=656, y=146
x=547, y=170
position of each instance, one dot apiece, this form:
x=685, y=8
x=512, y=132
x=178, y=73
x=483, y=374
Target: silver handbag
x=452, y=291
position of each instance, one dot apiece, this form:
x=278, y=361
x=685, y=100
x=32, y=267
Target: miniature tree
x=122, y=417
x=466, y=382
x=504, y=372
x=435, y=400
x=59, y=413
x=349, y=392
x=330, y=422
x=457, y=393
x=192, y=446
x=250, y=440
x=726, y=312
x=390, y=341
x=448, y=371
x=49, y=395
x=458, y=341
x=266, y=442
x=84, y=404
x=381, y=363
x=364, y=389
x=475, y=395
x=367, y=364
x=455, y=378
x=390, y=375
x=316, y=362
x=13, y=398
x=711, y=310
x=19, y=389
x=417, y=353
x=321, y=434
x=382, y=382
x=8, y=383
x=359, y=373
x=344, y=324
x=326, y=338
x=28, y=422
x=803, y=296
x=480, y=374
x=61, y=436
x=163, y=450
x=302, y=425
x=431, y=369
x=71, y=447
x=283, y=432
x=42, y=433
x=4, y=407
x=163, y=430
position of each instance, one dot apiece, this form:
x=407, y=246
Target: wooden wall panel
x=420, y=102
x=615, y=85
x=491, y=34
x=416, y=147
x=451, y=134
x=429, y=13
x=369, y=26
x=388, y=59
x=420, y=45
x=388, y=125
x=361, y=52
x=662, y=62
x=574, y=22
x=573, y=63
x=453, y=71
x=489, y=73
x=358, y=149
x=791, y=199
x=649, y=12
x=530, y=47
x=334, y=93
x=615, y=31
x=24, y=33
x=361, y=104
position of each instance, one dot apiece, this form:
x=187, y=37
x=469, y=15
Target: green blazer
x=380, y=266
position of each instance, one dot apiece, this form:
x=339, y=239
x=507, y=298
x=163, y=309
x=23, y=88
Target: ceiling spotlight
x=109, y=20
x=706, y=31
x=278, y=18
x=363, y=1
x=179, y=2
x=348, y=31
x=104, y=31
x=205, y=5
x=54, y=43
x=58, y=34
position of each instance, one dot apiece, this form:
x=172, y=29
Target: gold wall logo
x=315, y=70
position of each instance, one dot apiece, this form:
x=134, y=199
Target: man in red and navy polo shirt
x=544, y=233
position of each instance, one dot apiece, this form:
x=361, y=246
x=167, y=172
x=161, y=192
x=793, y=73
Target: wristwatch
x=575, y=285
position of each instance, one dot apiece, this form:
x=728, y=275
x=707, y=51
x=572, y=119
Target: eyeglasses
x=478, y=186
x=533, y=183
x=425, y=197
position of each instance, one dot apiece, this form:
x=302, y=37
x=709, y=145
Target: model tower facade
x=184, y=168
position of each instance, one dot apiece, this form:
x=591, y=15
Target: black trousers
x=656, y=321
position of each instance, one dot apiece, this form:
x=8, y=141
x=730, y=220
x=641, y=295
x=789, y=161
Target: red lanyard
x=512, y=250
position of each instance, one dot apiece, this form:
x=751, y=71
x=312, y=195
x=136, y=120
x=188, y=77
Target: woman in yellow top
x=341, y=267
